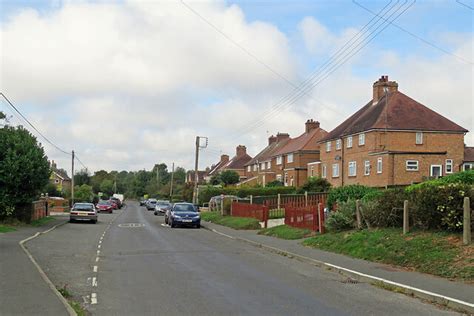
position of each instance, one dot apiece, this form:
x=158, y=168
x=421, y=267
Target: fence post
x=466, y=235
x=265, y=215
x=321, y=218
x=305, y=198
x=406, y=225
x=359, y=223
x=251, y=199
x=222, y=204
x=278, y=201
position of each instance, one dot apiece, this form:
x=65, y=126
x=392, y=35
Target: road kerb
x=407, y=289
x=68, y=307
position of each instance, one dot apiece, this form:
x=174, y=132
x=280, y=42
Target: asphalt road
x=151, y=269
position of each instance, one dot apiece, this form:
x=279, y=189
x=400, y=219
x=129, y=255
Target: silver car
x=83, y=212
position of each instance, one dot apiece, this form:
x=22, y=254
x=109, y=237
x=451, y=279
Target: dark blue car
x=184, y=214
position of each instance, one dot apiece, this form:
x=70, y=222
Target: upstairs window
x=419, y=138
x=338, y=144
x=328, y=147
x=289, y=158
x=449, y=166
x=262, y=166
x=249, y=168
x=269, y=164
x=412, y=165
x=279, y=160
x=255, y=167
x=361, y=139
x=349, y=142
x=352, y=168
x=335, y=170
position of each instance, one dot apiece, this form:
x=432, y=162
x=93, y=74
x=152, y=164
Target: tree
x=229, y=177
x=215, y=179
x=82, y=177
x=83, y=193
x=51, y=190
x=107, y=187
x=315, y=184
x=24, y=169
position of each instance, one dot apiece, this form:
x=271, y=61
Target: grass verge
x=6, y=229
x=80, y=311
x=285, y=232
x=436, y=253
x=42, y=221
x=230, y=221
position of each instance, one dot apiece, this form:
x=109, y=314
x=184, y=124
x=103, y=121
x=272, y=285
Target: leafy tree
x=215, y=179
x=315, y=184
x=51, y=190
x=179, y=175
x=229, y=177
x=24, y=169
x=83, y=193
x=82, y=177
x=107, y=187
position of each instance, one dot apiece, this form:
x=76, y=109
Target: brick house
x=468, y=163
x=290, y=162
x=392, y=140
x=190, y=178
x=259, y=169
x=215, y=168
x=59, y=178
x=237, y=163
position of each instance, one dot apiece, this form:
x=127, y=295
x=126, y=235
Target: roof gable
x=306, y=141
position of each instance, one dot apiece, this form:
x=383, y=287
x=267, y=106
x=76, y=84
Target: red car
x=114, y=204
x=105, y=206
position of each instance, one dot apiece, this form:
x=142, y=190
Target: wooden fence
x=307, y=217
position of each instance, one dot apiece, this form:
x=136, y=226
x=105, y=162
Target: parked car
x=114, y=204
x=117, y=201
x=150, y=204
x=105, y=206
x=120, y=197
x=161, y=207
x=83, y=211
x=183, y=214
x=215, y=201
x=143, y=202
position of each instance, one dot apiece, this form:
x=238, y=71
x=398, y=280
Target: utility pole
x=157, y=177
x=196, y=175
x=171, y=183
x=72, y=179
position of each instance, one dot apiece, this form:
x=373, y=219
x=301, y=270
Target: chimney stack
x=240, y=150
x=53, y=165
x=311, y=125
x=282, y=136
x=224, y=158
x=272, y=139
x=382, y=86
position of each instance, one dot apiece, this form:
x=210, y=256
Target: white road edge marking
x=95, y=268
x=93, y=298
x=94, y=281
x=228, y=236
x=98, y=247
x=97, y=259
x=98, y=252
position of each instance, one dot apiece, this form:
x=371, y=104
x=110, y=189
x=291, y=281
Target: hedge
x=206, y=193
x=348, y=192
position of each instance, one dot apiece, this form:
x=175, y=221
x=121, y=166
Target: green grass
x=42, y=221
x=77, y=308
x=6, y=229
x=285, y=232
x=437, y=253
x=230, y=221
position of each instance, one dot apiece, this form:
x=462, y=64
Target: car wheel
x=198, y=226
x=166, y=220
x=71, y=220
x=94, y=221
x=172, y=224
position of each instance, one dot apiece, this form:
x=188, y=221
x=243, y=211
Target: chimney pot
x=241, y=150
x=311, y=125
x=272, y=139
x=379, y=88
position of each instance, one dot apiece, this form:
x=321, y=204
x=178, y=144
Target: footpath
x=457, y=295
x=23, y=291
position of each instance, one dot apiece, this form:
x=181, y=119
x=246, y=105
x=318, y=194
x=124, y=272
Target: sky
x=127, y=84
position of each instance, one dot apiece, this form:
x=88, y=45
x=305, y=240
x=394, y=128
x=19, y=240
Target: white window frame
x=379, y=165
x=361, y=139
x=269, y=164
x=311, y=171
x=440, y=170
x=249, y=168
x=289, y=158
x=367, y=168
x=279, y=160
x=335, y=170
x=469, y=166
x=338, y=144
x=352, y=167
x=349, y=142
x=419, y=138
x=323, y=171
x=262, y=166
x=328, y=147
x=448, y=168
x=279, y=177
x=285, y=179
x=255, y=167
x=414, y=167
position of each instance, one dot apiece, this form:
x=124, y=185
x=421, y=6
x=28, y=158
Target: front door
x=436, y=171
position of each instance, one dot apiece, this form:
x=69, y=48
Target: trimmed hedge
x=348, y=192
x=206, y=193
x=464, y=177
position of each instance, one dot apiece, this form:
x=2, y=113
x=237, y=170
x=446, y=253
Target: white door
x=436, y=171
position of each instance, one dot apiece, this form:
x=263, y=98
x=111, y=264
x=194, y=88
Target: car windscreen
x=184, y=208
x=83, y=207
x=163, y=203
x=104, y=203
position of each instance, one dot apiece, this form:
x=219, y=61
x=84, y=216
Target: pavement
x=22, y=289
x=456, y=290
x=131, y=263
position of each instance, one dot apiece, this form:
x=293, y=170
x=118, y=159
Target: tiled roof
x=238, y=162
x=215, y=168
x=268, y=152
x=469, y=154
x=61, y=174
x=396, y=111
x=306, y=141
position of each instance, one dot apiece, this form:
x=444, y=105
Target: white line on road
x=223, y=234
x=94, y=281
x=93, y=298
x=97, y=259
x=98, y=247
x=98, y=252
x=95, y=268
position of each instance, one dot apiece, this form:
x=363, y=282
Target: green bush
x=465, y=177
x=275, y=183
x=384, y=208
x=343, y=218
x=344, y=193
x=206, y=193
x=315, y=184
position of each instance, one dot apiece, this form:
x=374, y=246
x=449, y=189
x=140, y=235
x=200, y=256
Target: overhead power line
x=417, y=36
x=463, y=4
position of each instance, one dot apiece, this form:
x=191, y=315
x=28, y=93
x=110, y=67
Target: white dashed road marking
x=94, y=281
x=94, y=298
x=95, y=268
